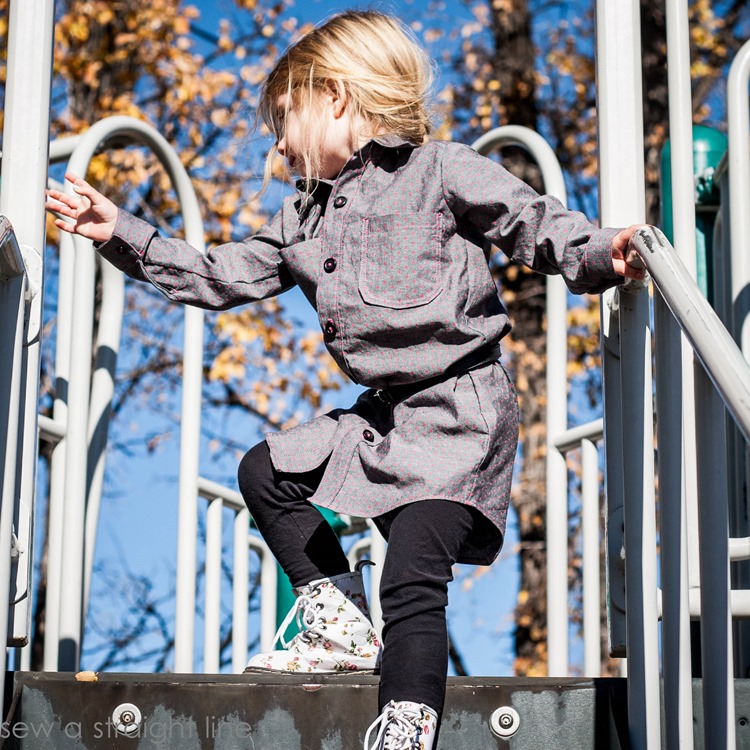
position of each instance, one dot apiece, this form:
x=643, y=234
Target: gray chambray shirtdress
x=393, y=255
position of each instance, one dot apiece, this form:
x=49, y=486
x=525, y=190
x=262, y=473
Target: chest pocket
x=402, y=260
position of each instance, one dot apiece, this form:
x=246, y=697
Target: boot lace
x=309, y=620
x=397, y=729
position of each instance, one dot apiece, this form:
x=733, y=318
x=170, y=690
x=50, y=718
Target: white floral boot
x=403, y=725
x=336, y=634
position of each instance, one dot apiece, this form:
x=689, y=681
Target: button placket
x=333, y=323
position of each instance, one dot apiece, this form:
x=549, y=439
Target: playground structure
x=700, y=384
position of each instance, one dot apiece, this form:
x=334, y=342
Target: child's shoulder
x=444, y=148
x=451, y=152
x=449, y=159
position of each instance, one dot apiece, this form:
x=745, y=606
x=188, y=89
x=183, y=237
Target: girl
x=388, y=237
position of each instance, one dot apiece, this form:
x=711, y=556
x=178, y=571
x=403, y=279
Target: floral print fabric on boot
x=336, y=634
x=403, y=725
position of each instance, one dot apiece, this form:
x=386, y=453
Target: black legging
x=424, y=539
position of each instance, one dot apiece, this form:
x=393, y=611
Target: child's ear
x=337, y=94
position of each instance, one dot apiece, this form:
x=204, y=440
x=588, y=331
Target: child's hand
x=620, y=253
x=94, y=216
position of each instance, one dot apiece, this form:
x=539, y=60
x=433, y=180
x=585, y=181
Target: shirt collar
x=387, y=140
x=391, y=140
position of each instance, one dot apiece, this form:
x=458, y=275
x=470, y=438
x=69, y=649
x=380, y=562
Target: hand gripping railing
x=722, y=380
x=713, y=345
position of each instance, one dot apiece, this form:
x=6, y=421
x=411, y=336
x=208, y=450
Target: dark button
x=330, y=328
x=121, y=250
x=339, y=201
x=368, y=436
x=329, y=266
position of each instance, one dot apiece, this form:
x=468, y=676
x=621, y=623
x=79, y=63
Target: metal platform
x=54, y=711
x=262, y=712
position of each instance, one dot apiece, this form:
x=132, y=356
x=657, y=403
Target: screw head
x=505, y=721
x=126, y=718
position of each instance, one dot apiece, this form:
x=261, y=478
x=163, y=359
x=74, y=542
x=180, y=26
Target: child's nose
x=281, y=146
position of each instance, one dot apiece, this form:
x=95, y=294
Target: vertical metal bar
x=24, y=170
x=25, y=660
x=592, y=658
x=212, y=619
x=268, y=577
x=676, y=655
x=13, y=304
x=640, y=522
x=187, y=523
x=58, y=461
x=557, y=481
x=684, y=223
x=738, y=122
x=102, y=391
x=377, y=555
x=618, y=70
x=192, y=393
x=734, y=233
x=681, y=133
x=622, y=202
x=737, y=233
x=613, y=452
x=716, y=616
x=240, y=591
x=71, y=599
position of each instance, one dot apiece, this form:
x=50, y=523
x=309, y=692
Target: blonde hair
x=385, y=74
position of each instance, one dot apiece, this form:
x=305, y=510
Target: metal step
x=263, y=712
x=55, y=711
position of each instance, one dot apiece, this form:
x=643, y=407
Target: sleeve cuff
x=599, y=269
x=128, y=243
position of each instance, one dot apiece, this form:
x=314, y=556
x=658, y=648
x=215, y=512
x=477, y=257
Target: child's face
x=332, y=130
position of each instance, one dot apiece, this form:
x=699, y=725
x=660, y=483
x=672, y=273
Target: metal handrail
x=712, y=343
x=721, y=381
x=738, y=121
x=11, y=258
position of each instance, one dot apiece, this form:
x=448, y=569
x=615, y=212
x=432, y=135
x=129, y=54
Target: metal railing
x=721, y=379
x=557, y=403
x=220, y=497
x=24, y=177
x=78, y=431
x=81, y=408
x=562, y=440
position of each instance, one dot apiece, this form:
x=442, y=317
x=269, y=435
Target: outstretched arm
x=87, y=213
x=535, y=230
x=225, y=276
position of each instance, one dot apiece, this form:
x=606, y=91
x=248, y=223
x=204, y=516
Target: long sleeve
x=535, y=230
x=225, y=276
